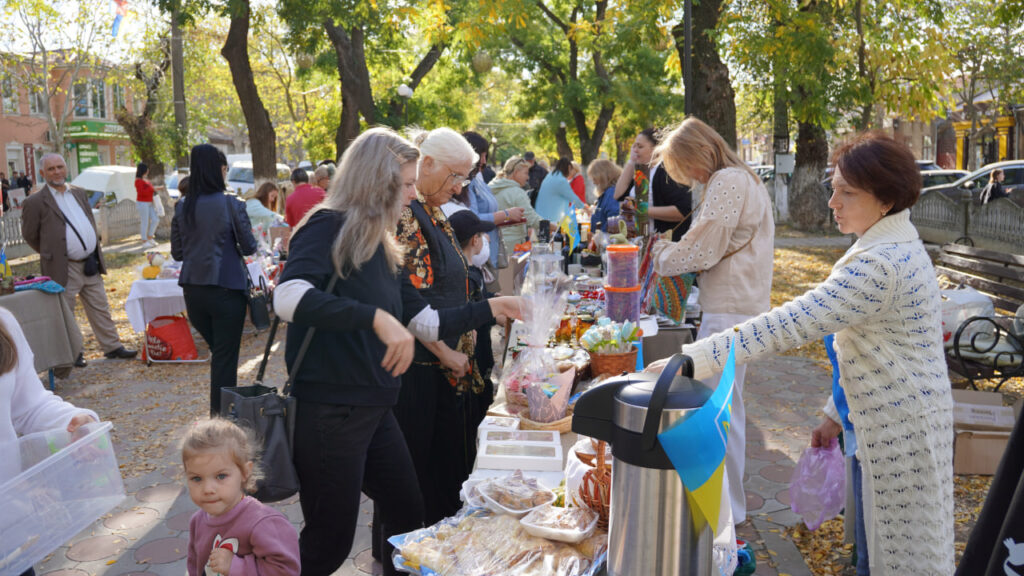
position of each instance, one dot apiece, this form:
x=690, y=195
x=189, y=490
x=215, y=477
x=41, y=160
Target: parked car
x=764, y=171
x=240, y=176
x=931, y=178
x=976, y=181
x=171, y=182
x=923, y=165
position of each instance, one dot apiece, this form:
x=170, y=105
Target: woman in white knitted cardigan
x=882, y=301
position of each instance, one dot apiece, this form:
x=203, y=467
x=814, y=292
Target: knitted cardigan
x=882, y=300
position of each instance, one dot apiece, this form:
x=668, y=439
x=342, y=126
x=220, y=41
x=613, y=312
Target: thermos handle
x=660, y=394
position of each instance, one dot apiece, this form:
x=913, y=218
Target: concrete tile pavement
x=147, y=533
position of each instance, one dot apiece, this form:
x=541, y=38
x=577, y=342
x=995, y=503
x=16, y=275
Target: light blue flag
x=696, y=446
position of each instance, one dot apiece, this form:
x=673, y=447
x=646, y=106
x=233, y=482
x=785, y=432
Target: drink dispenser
x=652, y=530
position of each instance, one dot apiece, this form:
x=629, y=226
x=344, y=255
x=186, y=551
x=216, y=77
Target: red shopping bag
x=169, y=338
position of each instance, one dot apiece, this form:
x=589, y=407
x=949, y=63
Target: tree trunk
x=356, y=92
x=808, y=203
x=178, y=89
x=713, y=96
x=262, y=138
x=562, y=142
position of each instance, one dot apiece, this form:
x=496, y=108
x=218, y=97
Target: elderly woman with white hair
x=438, y=388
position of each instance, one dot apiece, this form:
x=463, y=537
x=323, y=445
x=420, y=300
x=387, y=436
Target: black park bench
x=987, y=348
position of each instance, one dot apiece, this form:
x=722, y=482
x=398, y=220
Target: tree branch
x=552, y=69
x=553, y=17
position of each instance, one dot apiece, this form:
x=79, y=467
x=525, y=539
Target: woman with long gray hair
x=346, y=437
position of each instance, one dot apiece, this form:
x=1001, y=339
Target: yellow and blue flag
x=571, y=228
x=696, y=447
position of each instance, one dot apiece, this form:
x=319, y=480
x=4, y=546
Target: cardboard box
x=977, y=410
x=978, y=451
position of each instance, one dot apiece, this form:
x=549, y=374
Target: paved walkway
x=148, y=533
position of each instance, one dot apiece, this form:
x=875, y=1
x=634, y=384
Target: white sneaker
x=149, y=244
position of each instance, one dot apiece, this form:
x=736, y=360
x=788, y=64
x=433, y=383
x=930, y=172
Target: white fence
x=998, y=225
x=114, y=222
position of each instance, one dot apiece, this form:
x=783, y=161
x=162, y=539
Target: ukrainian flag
x=571, y=228
x=696, y=447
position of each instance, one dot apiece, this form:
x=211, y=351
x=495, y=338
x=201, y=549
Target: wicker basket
x=613, y=363
x=595, y=491
x=562, y=425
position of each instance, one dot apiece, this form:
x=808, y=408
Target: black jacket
x=342, y=365
x=206, y=247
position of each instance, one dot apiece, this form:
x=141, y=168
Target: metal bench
x=987, y=348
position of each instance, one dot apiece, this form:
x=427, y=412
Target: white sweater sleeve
x=287, y=297
x=33, y=407
x=711, y=233
x=861, y=288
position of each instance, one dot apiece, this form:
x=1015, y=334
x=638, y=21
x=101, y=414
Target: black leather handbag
x=257, y=296
x=272, y=417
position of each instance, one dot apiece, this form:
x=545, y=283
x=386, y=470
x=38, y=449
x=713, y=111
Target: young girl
x=232, y=534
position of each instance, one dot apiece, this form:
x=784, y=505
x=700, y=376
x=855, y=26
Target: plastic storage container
x=59, y=488
x=623, y=265
x=623, y=303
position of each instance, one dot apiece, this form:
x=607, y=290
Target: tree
x=53, y=57
x=580, y=63
x=141, y=128
x=361, y=34
x=713, y=97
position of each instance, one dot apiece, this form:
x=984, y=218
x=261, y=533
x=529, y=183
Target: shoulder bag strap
x=305, y=345
x=73, y=229
x=238, y=247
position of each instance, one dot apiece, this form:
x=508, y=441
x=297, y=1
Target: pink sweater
x=263, y=540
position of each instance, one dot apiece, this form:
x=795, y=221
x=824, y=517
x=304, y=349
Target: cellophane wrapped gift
x=544, y=300
x=548, y=400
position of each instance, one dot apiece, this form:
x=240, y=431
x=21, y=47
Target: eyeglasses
x=463, y=181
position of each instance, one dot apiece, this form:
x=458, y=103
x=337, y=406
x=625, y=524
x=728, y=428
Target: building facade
x=91, y=135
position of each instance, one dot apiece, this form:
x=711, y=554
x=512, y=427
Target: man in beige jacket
x=57, y=222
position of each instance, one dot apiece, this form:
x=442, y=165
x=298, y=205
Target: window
x=1014, y=176
x=36, y=101
x=98, y=98
x=90, y=99
x=10, y=97
x=117, y=93
x=81, y=96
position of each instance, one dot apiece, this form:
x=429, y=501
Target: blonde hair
x=510, y=166
x=444, y=145
x=603, y=173
x=367, y=188
x=220, y=434
x=694, y=144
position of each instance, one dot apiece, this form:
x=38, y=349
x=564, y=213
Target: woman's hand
x=515, y=214
x=827, y=431
x=455, y=361
x=399, y=341
x=507, y=307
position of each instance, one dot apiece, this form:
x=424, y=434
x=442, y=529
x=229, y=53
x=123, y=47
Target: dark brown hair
x=873, y=161
x=563, y=165
x=8, y=350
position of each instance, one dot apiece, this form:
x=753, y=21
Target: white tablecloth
x=148, y=299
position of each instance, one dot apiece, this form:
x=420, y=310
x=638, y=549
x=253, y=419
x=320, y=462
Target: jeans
x=341, y=451
x=860, y=533
x=147, y=220
x=219, y=316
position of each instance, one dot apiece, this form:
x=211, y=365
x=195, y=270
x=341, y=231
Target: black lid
x=683, y=393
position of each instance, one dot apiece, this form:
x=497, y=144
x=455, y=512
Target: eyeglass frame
x=453, y=174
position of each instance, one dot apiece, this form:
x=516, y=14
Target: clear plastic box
x=60, y=488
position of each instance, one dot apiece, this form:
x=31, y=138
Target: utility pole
x=178, y=81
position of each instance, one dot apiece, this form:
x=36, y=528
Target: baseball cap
x=466, y=224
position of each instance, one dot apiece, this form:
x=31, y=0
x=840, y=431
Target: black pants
x=219, y=315
x=340, y=451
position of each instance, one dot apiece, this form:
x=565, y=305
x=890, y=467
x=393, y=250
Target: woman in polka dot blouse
x=730, y=241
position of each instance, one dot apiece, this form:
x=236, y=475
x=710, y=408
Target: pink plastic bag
x=817, y=491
